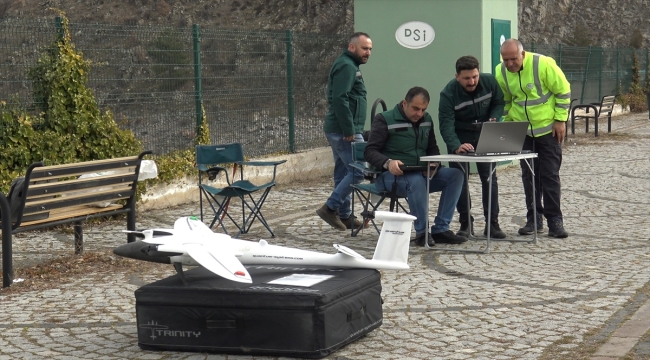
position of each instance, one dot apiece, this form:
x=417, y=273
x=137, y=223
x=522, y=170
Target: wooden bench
x=604, y=107
x=55, y=195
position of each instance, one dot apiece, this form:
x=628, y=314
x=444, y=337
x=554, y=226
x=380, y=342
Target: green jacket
x=407, y=141
x=458, y=110
x=346, y=97
x=539, y=93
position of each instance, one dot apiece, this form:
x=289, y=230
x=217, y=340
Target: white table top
x=476, y=159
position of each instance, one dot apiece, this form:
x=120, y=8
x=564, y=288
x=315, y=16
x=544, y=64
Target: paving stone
x=513, y=303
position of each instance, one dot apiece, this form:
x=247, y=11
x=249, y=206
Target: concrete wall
x=307, y=165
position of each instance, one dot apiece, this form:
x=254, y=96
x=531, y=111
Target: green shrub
x=635, y=97
x=68, y=126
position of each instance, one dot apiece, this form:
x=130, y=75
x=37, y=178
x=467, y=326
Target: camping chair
x=218, y=198
x=367, y=193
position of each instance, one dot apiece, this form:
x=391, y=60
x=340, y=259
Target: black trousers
x=463, y=206
x=547, y=177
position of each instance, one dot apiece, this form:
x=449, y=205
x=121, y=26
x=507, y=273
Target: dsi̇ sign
x=415, y=34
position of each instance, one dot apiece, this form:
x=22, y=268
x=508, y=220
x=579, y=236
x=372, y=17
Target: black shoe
x=465, y=227
x=528, y=228
x=419, y=239
x=348, y=222
x=331, y=217
x=556, y=229
x=495, y=230
x=448, y=237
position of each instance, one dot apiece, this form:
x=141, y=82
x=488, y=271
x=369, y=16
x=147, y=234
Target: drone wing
x=221, y=262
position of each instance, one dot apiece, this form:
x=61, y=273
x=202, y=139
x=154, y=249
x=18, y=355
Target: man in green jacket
x=468, y=101
x=535, y=90
x=401, y=136
x=344, y=122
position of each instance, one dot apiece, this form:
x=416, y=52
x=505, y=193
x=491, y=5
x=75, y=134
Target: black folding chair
x=367, y=193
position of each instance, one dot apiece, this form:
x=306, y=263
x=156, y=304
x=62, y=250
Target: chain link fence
x=265, y=89
x=595, y=72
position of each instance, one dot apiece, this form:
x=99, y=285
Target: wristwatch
x=386, y=163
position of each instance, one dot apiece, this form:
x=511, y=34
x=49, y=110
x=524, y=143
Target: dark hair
x=357, y=35
x=467, y=62
x=415, y=91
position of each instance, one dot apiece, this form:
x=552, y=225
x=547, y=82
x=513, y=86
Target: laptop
x=500, y=138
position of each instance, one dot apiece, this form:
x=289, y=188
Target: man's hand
x=349, y=138
x=464, y=148
x=393, y=167
x=559, y=130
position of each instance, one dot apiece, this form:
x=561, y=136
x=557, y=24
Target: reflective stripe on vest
x=407, y=125
x=472, y=102
x=538, y=85
x=540, y=130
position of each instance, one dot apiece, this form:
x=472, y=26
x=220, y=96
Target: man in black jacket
x=400, y=137
x=466, y=102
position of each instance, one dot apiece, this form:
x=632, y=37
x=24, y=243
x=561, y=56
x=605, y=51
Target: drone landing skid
x=179, y=270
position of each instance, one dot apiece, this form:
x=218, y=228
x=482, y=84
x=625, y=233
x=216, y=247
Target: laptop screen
x=499, y=138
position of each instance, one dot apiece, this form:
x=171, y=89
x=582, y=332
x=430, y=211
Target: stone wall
x=608, y=23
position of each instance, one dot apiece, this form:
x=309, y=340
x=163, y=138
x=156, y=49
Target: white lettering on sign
x=415, y=34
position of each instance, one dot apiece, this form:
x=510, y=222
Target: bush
x=635, y=97
x=69, y=126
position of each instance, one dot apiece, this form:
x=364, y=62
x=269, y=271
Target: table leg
x=489, y=214
x=426, y=230
x=531, y=166
x=465, y=169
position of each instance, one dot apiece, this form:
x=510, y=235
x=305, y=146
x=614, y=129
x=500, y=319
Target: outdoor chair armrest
x=364, y=168
x=263, y=163
x=214, y=171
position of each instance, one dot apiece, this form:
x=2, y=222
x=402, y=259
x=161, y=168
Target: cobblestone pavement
x=521, y=301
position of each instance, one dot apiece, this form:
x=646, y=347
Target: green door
x=500, y=33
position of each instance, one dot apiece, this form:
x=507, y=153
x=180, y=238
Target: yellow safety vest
x=539, y=93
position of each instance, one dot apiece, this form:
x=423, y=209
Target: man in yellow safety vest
x=535, y=90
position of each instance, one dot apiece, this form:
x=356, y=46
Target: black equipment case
x=213, y=314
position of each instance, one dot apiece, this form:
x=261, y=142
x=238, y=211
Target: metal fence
x=595, y=71
x=264, y=89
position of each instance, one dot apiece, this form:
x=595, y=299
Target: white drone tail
x=395, y=236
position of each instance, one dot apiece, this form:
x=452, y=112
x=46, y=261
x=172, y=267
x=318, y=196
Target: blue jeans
x=413, y=186
x=344, y=174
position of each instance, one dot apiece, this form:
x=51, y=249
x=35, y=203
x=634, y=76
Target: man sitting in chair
x=400, y=137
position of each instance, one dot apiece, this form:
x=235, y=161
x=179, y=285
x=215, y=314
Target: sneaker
x=465, y=227
x=528, y=228
x=448, y=237
x=419, y=239
x=330, y=217
x=353, y=220
x=556, y=229
x=495, y=230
